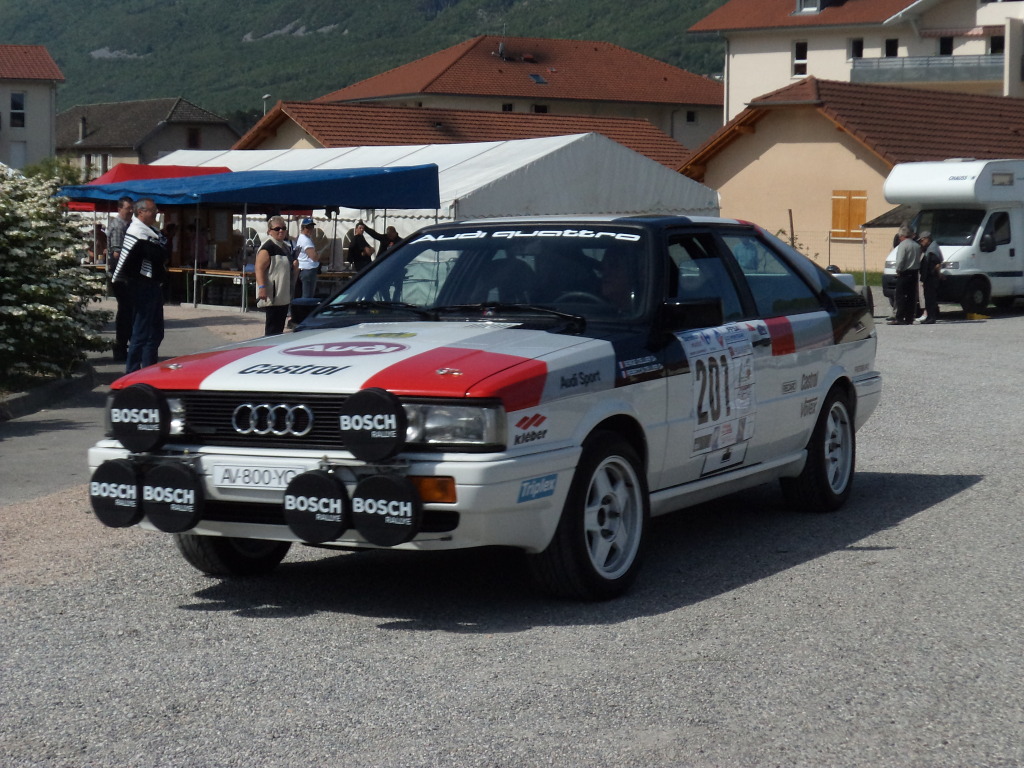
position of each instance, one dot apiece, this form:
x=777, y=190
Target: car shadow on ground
x=692, y=556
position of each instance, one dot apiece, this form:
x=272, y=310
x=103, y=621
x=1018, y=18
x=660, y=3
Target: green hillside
x=224, y=55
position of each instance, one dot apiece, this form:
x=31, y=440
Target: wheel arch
x=630, y=430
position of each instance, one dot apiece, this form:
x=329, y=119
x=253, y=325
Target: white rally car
x=543, y=384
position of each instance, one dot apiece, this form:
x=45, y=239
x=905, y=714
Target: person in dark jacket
x=142, y=268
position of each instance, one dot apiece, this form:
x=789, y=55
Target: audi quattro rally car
x=543, y=384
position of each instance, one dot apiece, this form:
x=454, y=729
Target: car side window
x=777, y=288
x=700, y=273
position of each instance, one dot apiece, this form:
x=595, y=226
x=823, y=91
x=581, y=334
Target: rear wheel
x=596, y=550
x=827, y=477
x=226, y=556
x=975, y=297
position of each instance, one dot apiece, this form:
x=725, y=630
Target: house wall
x=35, y=141
x=289, y=136
x=794, y=161
x=761, y=62
x=175, y=136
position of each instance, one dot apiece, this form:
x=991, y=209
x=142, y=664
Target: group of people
x=918, y=262
x=138, y=255
x=285, y=271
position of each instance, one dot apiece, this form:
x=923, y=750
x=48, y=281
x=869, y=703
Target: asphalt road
x=888, y=634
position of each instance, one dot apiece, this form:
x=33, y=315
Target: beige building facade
x=946, y=45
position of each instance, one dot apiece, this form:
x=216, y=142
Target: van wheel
x=975, y=297
x=596, y=551
x=827, y=477
x=227, y=556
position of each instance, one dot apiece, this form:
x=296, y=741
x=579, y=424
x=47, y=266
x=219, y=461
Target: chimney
x=81, y=128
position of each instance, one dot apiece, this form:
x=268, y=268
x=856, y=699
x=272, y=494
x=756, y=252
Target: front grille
x=208, y=419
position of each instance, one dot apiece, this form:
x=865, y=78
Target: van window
x=999, y=227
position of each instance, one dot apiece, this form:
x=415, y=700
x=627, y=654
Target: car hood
x=428, y=359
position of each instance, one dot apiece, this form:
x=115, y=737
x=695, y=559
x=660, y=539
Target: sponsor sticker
x=537, y=488
x=529, y=429
x=346, y=349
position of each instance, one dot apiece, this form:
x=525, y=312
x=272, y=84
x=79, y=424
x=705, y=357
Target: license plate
x=269, y=478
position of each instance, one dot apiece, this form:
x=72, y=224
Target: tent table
x=204, y=278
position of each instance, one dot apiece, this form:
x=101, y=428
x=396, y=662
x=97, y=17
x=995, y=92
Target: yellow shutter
x=849, y=211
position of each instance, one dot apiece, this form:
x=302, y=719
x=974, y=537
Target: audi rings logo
x=268, y=419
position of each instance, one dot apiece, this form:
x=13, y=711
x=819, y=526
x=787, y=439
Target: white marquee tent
x=579, y=174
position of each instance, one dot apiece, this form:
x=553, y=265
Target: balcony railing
x=928, y=69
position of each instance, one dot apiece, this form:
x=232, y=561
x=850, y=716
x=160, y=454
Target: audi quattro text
x=542, y=384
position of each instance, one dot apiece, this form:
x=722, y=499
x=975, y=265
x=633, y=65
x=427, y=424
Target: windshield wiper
x=490, y=309
x=346, y=306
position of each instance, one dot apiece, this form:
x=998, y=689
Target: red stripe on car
x=781, y=332
x=450, y=372
x=187, y=372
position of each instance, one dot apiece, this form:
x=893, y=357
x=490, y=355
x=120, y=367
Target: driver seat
x=509, y=280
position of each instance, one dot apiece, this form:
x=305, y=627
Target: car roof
x=639, y=219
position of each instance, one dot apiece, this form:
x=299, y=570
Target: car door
x=711, y=399
x=1002, y=264
x=792, y=340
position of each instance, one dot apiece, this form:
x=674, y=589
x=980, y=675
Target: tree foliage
x=46, y=322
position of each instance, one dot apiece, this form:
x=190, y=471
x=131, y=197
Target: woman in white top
x=276, y=271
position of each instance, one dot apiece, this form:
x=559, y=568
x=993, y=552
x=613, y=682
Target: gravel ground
x=887, y=634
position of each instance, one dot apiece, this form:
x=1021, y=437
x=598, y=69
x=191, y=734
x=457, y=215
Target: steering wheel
x=584, y=296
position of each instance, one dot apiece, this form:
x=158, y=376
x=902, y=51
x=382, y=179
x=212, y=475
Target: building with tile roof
x=298, y=124
x=969, y=46
x=98, y=136
x=28, y=104
x=810, y=159
x=547, y=76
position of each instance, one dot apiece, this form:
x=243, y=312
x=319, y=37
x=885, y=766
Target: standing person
x=123, y=318
x=309, y=260
x=359, y=251
x=908, y=265
x=276, y=272
x=931, y=266
x=143, y=265
x=387, y=240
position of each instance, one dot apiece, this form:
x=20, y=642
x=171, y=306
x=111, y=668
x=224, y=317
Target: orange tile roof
x=539, y=68
x=28, y=62
x=766, y=14
x=897, y=124
x=354, y=125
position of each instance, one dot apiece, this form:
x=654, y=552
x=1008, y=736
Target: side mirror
x=691, y=314
x=988, y=243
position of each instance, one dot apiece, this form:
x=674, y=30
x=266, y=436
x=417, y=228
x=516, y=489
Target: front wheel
x=596, y=551
x=227, y=556
x=827, y=477
x=975, y=297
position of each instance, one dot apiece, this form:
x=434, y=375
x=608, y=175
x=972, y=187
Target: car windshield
x=950, y=226
x=597, y=273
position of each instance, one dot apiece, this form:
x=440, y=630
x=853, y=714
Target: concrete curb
x=36, y=399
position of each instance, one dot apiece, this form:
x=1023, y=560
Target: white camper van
x=975, y=212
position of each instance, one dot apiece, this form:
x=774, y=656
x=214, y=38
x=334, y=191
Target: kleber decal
x=528, y=429
x=537, y=488
x=345, y=349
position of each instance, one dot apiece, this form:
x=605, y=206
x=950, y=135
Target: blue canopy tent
x=391, y=187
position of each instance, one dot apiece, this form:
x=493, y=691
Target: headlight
x=951, y=265
x=442, y=425
x=890, y=265
x=177, y=415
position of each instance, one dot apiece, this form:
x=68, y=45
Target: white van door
x=1001, y=257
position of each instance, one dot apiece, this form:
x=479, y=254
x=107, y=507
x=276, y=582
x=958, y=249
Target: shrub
x=46, y=324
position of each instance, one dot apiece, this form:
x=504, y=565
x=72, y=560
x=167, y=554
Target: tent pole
x=195, y=261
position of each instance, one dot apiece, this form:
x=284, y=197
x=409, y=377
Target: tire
x=975, y=297
x=597, y=548
x=226, y=556
x=827, y=476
